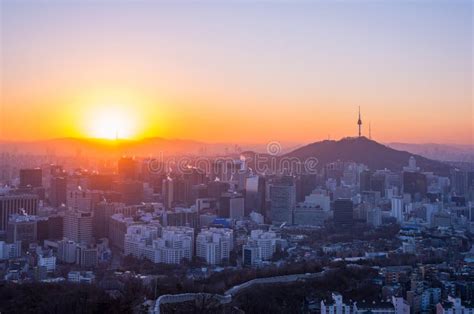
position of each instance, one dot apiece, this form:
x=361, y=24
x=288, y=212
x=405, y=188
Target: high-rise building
x=237, y=208
x=10, y=250
x=309, y=215
x=251, y=254
x=175, y=244
x=171, y=247
x=216, y=188
x=231, y=205
x=283, y=200
x=214, y=244
x=168, y=192
x=414, y=182
x=101, y=182
x=118, y=225
x=131, y=191
x=78, y=226
x=128, y=168
x=265, y=241
x=343, y=212
x=16, y=204
x=255, y=195
x=86, y=255
x=374, y=217
x=22, y=228
x=58, y=191
x=139, y=237
x=397, y=209
x=185, y=217
x=31, y=178
x=67, y=251
x=82, y=199
x=305, y=184
x=459, y=182
x=47, y=260
x=318, y=198
x=364, y=180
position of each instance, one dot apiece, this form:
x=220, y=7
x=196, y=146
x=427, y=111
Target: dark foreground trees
x=65, y=298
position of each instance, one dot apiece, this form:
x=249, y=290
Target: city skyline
x=237, y=72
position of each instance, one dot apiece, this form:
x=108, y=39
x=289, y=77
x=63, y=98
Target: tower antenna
x=370, y=132
x=359, y=123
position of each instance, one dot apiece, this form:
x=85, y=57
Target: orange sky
x=236, y=73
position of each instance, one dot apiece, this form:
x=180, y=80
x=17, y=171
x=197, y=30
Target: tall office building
x=305, y=184
x=216, y=188
x=459, y=182
x=16, y=204
x=82, y=199
x=22, y=228
x=374, y=217
x=283, y=200
x=319, y=198
x=86, y=255
x=58, y=191
x=67, y=251
x=231, y=205
x=131, y=192
x=414, y=182
x=255, y=195
x=78, y=226
x=128, y=168
x=236, y=207
x=343, y=212
x=31, y=178
x=167, y=192
x=364, y=180
x=397, y=209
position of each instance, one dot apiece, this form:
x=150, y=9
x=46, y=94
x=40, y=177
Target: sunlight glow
x=112, y=122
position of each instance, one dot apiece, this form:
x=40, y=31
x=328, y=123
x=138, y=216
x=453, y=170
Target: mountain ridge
x=363, y=150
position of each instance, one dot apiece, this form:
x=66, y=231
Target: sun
x=111, y=122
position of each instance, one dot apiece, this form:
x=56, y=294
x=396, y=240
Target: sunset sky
x=239, y=71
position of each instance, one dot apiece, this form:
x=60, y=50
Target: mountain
x=365, y=151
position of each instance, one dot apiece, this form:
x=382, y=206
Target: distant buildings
x=255, y=195
x=22, y=228
x=174, y=245
x=32, y=178
x=16, y=204
x=283, y=200
x=397, y=208
x=78, y=226
x=67, y=251
x=58, y=191
x=374, y=217
x=169, y=245
x=260, y=247
x=337, y=306
x=309, y=215
x=10, y=250
x=214, y=245
x=343, y=213
x=81, y=277
x=453, y=306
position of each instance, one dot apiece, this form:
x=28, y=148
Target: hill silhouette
x=365, y=151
